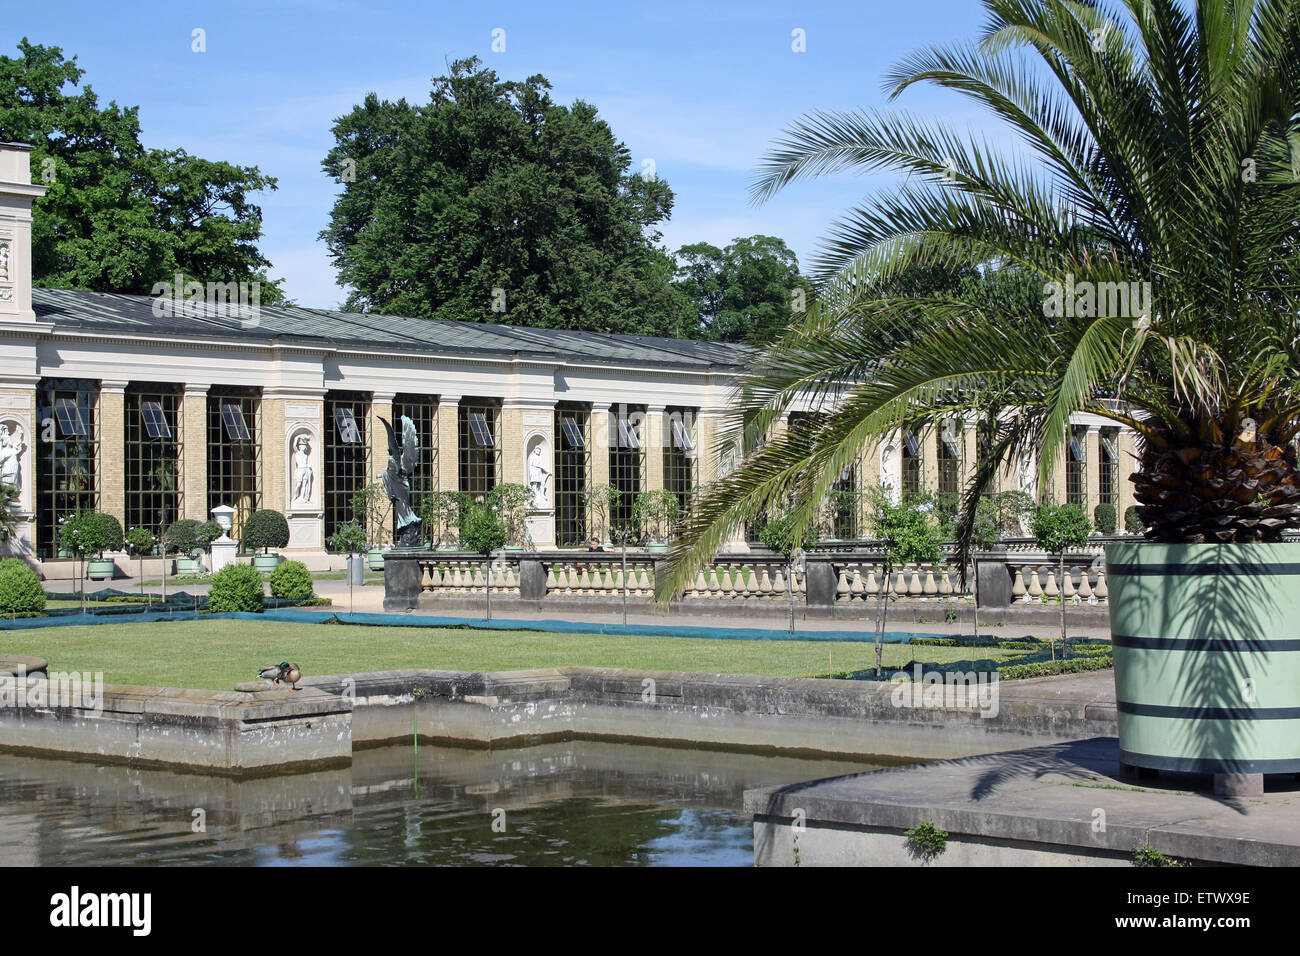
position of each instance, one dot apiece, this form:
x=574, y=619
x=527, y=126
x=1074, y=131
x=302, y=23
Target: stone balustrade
x=820, y=578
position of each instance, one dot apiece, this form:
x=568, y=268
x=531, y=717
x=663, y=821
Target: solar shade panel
x=71, y=424
x=349, y=434
x=572, y=433
x=233, y=418
x=155, y=422
x=478, y=427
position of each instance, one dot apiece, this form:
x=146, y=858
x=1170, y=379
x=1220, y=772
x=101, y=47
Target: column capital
x=112, y=386
x=450, y=400
x=383, y=397
x=196, y=391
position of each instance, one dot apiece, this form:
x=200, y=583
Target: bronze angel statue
x=403, y=459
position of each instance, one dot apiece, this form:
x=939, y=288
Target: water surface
x=577, y=803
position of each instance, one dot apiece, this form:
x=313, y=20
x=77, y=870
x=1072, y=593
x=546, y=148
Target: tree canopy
x=118, y=217
x=494, y=203
x=747, y=292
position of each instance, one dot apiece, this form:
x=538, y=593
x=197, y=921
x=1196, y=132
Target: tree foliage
x=117, y=217
x=748, y=292
x=493, y=203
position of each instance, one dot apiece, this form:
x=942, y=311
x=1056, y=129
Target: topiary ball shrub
x=236, y=587
x=1104, y=518
x=1132, y=523
x=264, y=530
x=291, y=579
x=20, y=588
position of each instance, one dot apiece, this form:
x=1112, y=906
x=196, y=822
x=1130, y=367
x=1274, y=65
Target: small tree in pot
x=1057, y=527
x=140, y=542
x=483, y=531
x=910, y=533
x=264, y=530
x=350, y=539
x=371, y=508
x=657, y=512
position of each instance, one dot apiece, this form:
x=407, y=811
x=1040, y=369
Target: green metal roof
x=105, y=312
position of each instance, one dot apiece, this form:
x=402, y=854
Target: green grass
x=218, y=654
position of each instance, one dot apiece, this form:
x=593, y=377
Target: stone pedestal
x=305, y=531
x=541, y=528
x=994, y=579
x=402, y=582
x=819, y=584
x=223, y=552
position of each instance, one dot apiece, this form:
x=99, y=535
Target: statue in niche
x=887, y=455
x=12, y=446
x=302, y=473
x=4, y=261
x=539, y=476
x=403, y=460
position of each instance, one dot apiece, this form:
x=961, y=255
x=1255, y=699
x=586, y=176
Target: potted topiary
x=1055, y=528
x=371, y=508
x=601, y=503
x=350, y=539
x=656, y=512
x=189, y=538
x=483, y=532
x=1104, y=518
x=511, y=502
x=264, y=530
x=140, y=542
x=88, y=533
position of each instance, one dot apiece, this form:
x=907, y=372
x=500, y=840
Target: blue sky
x=702, y=89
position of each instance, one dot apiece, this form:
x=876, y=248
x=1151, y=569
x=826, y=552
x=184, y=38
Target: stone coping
x=1051, y=795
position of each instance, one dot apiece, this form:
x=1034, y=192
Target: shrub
x=482, y=530
x=777, y=534
x=236, y=587
x=512, y=502
x=291, y=579
x=657, y=512
x=1147, y=855
x=1057, y=527
x=1104, y=517
x=264, y=530
x=20, y=588
x=1132, y=523
x=90, y=532
x=140, y=541
x=925, y=840
x=188, y=536
x=350, y=538
x=1074, y=665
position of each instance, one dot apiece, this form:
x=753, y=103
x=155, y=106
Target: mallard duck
x=275, y=673
x=290, y=674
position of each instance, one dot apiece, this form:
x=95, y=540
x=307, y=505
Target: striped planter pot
x=1207, y=655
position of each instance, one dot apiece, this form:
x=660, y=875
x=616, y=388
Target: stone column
x=512, y=444
x=194, y=452
x=601, y=438
x=381, y=406
x=275, y=455
x=449, y=442
x=18, y=415
x=707, y=446
x=1125, y=467
x=654, y=447
x=929, y=440
x=111, y=467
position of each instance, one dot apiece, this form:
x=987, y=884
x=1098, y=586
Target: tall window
x=1076, y=466
x=679, y=454
x=626, y=459
x=1108, y=467
x=844, y=503
x=152, y=432
x=235, y=451
x=347, y=455
x=572, y=466
x=422, y=410
x=66, y=414
x=912, y=463
x=951, y=437
x=480, y=447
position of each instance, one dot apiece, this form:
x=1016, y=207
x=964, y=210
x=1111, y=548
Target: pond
x=575, y=803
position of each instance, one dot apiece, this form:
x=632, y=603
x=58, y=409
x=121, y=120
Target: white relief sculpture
x=12, y=446
x=302, y=471
x=888, y=456
x=539, y=476
x=4, y=261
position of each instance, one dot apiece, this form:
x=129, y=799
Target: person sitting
x=594, y=545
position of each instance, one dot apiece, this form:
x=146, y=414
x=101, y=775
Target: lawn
x=217, y=654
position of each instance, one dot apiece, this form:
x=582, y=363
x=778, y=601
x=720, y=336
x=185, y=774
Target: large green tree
x=117, y=217
x=493, y=203
x=1160, y=145
x=747, y=292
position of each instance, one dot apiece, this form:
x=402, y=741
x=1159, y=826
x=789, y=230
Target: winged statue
x=403, y=459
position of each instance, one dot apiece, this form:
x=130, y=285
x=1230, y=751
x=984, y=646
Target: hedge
x=236, y=587
x=20, y=588
x=291, y=579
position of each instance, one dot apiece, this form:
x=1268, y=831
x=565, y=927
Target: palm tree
x=1160, y=152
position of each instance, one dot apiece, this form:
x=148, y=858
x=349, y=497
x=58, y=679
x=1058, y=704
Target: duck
x=291, y=674
x=275, y=673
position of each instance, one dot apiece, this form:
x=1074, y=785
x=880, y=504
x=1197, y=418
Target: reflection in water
x=579, y=803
